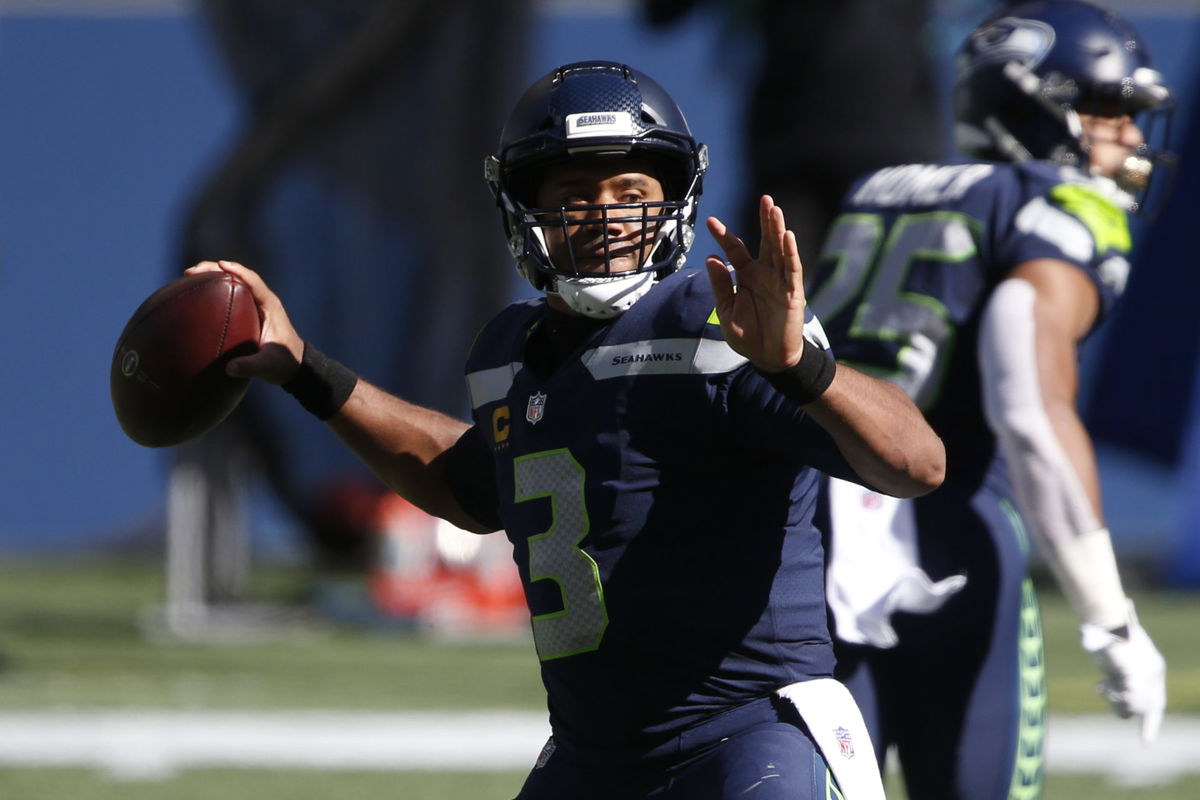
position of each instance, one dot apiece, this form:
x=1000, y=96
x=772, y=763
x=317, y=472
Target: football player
x=972, y=286
x=649, y=440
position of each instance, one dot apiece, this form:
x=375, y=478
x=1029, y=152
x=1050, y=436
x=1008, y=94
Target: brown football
x=168, y=378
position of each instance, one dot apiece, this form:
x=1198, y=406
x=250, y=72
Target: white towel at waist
x=836, y=725
x=872, y=569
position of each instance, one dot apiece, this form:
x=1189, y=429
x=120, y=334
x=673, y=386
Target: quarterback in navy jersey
x=649, y=440
x=971, y=286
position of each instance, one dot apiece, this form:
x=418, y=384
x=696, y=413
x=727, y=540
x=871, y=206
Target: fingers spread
x=734, y=247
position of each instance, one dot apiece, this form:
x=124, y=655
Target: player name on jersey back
x=920, y=184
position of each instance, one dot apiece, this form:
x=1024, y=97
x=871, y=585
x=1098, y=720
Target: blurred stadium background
x=116, y=114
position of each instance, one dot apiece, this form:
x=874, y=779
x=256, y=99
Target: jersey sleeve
x=769, y=421
x=1075, y=222
x=471, y=472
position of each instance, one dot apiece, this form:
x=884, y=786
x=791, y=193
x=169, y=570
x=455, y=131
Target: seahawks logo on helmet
x=1027, y=73
x=1026, y=41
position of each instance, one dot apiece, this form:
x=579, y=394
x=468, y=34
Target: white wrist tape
x=1086, y=570
x=1048, y=491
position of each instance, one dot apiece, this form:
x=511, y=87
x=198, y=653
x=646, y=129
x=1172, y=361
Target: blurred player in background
x=972, y=286
x=649, y=440
x=842, y=88
x=330, y=89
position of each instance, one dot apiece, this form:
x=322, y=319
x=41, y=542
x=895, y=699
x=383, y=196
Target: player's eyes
x=568, y=200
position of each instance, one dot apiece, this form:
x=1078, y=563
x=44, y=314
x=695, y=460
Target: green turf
x=234, y=784
x=71, y=636
x=1089, y=787
x=231, y=784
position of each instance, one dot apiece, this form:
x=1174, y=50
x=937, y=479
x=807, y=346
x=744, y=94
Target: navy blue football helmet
x=1027, y=72
x=586, y=109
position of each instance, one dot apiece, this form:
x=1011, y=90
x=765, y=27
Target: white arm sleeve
x=1048, y=491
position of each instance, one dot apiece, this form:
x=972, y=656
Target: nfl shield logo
x=845, y=743
x=536, y=408
x=547, y=751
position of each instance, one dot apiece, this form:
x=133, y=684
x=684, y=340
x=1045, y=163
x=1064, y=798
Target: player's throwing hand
x=280, y=347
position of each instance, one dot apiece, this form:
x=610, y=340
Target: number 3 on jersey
x=555, y=555
x=878, y=278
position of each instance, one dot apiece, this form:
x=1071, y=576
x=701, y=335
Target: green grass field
x=70, y=637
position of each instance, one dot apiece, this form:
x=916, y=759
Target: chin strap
x=603, y=297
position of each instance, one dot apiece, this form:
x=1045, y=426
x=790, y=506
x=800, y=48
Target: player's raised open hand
x=764, y=318
x=280, y=347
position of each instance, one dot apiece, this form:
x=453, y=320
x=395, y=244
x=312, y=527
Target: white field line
x=151, y=744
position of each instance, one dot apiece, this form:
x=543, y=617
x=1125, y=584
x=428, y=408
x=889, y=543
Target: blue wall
x=105, y=124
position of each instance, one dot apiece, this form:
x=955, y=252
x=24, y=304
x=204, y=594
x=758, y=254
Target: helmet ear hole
x=523, y=187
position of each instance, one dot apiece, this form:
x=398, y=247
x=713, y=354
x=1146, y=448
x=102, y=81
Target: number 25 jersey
x=909, y=265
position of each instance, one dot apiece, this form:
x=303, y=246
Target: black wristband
x=808, y=378
x=321, y=385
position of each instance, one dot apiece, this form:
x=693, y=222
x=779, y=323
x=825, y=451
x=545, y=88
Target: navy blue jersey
x=659, y=497
x=906, y=274
x=909, y=265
